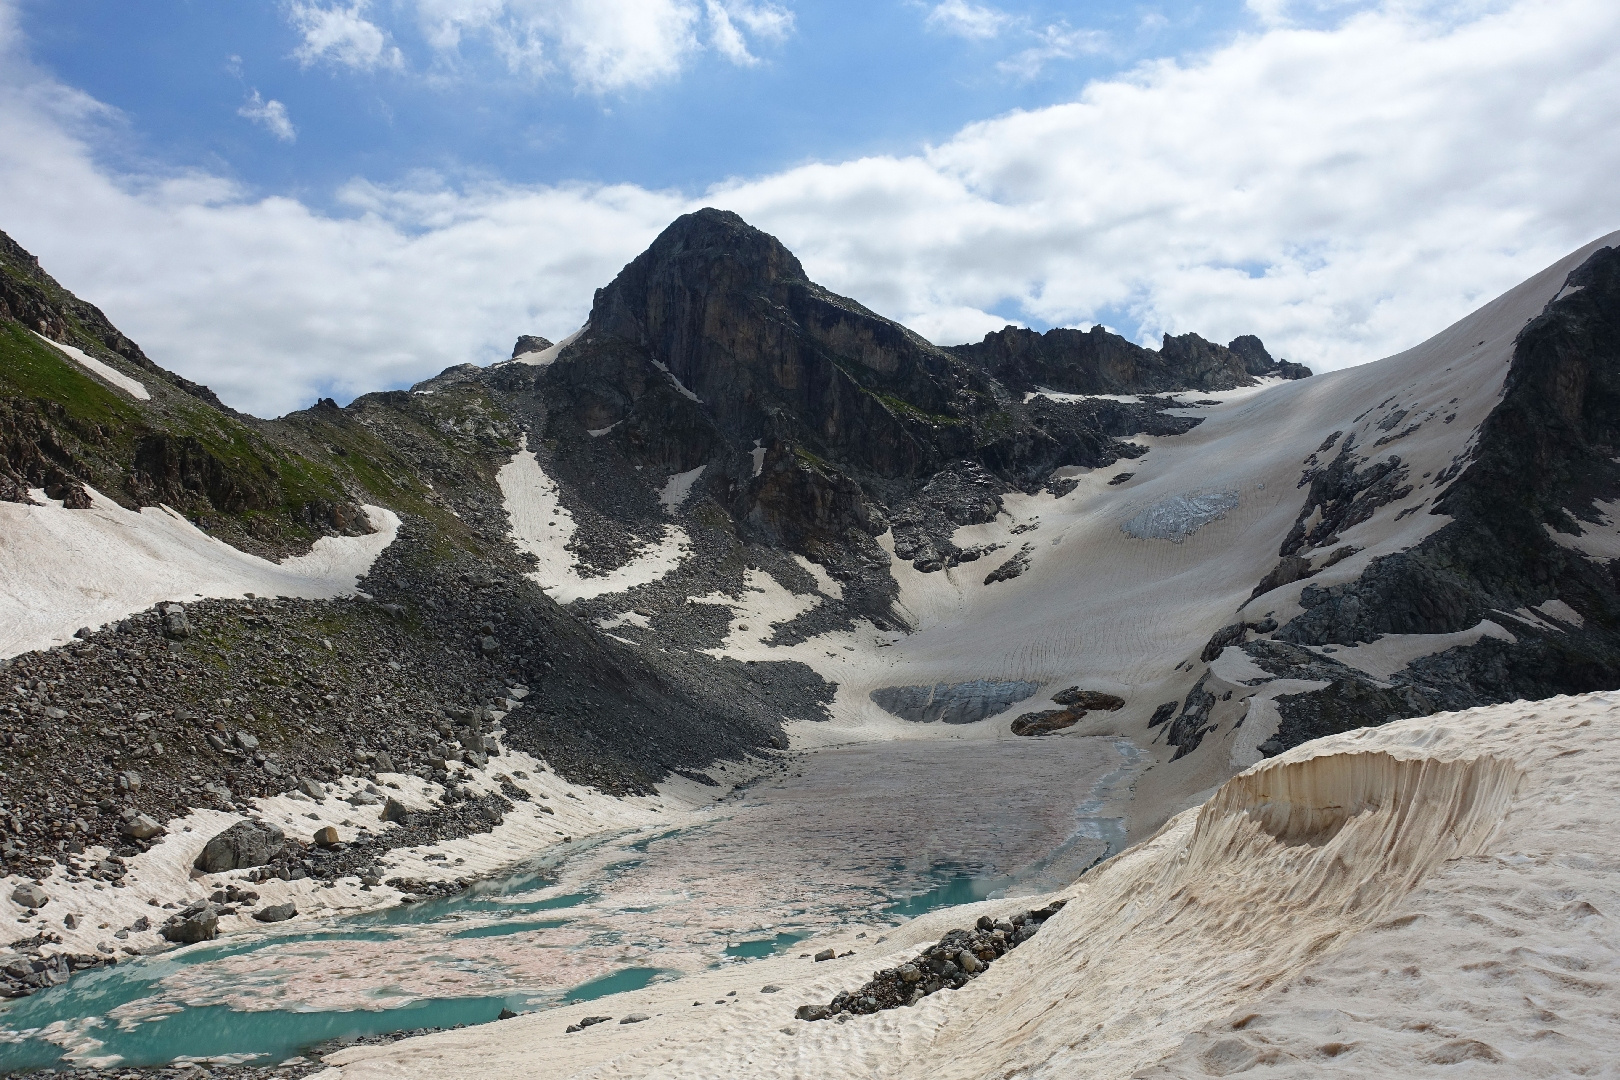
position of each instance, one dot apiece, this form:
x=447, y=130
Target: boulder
x=1076, y=698
x=245, y=844
x=1046, y=722
x=141, y=827
x=326, y=836
x=29, y=895
x=192, y=925
x=175, y=623
x=394, y=810
x=276, y=912
x=313, y=788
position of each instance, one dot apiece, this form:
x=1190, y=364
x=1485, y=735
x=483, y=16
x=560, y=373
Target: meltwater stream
x=867, y=834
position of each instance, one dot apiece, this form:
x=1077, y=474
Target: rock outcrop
x=1525, y=506
x=818, y=422
x=1096, y=361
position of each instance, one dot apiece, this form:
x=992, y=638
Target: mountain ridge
x=809, y=510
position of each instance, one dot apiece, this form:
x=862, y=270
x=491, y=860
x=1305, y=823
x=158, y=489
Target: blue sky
x=300, y=198
x=840, y=80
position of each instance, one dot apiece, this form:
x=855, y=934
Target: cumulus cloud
x=1343, y=192
x=342, y=35
x=602, y=45
x=967, y=20
x=272, y=114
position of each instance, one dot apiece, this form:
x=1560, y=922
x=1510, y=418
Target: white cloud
x=763, y=20
x=967, y=20
x=342, y=35
x=602, y=45
x=272, y=114
x=1343, y=193
x=1056, y=42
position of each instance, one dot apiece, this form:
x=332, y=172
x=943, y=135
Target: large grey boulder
x=175, y=623
x=142, y=827
x=245, y=844
x=192, y=925
x=29, y=895
x=276, y=912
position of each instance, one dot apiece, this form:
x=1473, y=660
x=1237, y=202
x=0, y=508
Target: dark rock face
x=819, y=422
x=1076, y=703
x=1543, y=458
x=1226, y=635
x=730, y=313
x=530, y=343
x=1289, y=569
x=967, y=494
x=1097, y=362
x=243, y=845
x=1046, y=721
x=1342, y=495
x=1187, y=731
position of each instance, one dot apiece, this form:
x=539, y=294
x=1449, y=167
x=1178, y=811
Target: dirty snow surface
x=64, y=569
x=1435, y=897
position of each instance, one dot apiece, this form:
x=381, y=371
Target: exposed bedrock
x=1098, y=362
x=820, y=422
x=1524, y=504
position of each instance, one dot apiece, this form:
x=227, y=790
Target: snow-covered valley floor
x=1433, y=897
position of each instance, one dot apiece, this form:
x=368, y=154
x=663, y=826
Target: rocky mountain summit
x=819, y=424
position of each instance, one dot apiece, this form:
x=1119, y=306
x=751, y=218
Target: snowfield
x=1395, y=901
x=542, y=526
x=64, y=569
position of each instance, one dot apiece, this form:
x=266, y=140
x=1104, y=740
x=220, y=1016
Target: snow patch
x=545, y=357
x=128, y=385
x=543, y=527
x=679, y=386
x=678, y=487
x=62, y=569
